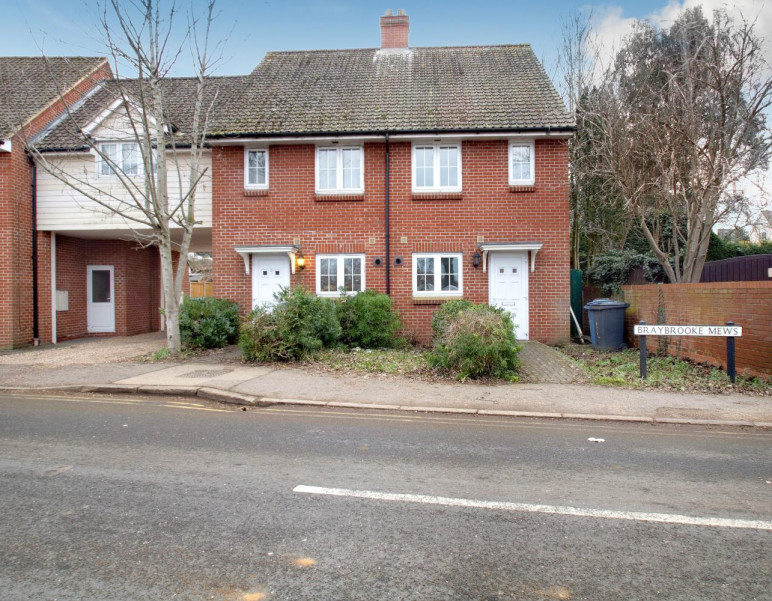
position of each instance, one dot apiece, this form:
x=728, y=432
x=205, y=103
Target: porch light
x=476, y=260
x=300, y=261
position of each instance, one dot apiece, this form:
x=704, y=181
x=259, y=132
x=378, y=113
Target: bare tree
x=678, y=121
x=599, y=218
x=144, y=37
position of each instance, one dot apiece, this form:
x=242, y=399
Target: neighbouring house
x=34, y=92
x=429, y=174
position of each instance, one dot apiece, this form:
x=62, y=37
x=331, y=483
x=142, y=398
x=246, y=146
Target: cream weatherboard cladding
x=62, y=208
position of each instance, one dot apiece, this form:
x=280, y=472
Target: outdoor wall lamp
x=300, y=262
x=476, y=260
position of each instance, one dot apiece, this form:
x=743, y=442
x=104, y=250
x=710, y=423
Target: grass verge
x=396, y=362
x=663, y=372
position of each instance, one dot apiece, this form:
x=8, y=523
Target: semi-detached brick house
x=426, y=173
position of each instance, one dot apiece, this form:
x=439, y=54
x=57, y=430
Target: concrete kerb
x=236, y=398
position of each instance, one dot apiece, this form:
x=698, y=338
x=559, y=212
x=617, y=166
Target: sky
x=250, y=28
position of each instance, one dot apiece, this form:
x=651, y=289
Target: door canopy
x=486, y=248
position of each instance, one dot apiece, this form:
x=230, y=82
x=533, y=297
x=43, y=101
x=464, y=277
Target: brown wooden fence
x=199, y=289
x=752, y=268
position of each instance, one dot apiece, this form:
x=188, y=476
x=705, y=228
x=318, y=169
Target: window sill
x=522, y=188
x=434, y=300
x=321, y=197
x=256, y=191
x=438, y=196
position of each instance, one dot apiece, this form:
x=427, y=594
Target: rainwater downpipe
x=35, y=315
x=387, y=206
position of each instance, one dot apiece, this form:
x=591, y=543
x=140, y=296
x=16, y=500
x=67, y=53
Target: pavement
x=232, y=382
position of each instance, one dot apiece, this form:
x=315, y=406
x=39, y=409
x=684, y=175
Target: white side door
x=270, y=273
x=508, y=287
x=100, y=307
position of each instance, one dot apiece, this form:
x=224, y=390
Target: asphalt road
x=127, y=498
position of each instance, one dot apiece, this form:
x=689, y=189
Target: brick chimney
x=394, y=29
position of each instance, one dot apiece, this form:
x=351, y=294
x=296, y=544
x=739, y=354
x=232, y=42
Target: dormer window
x=124, y=155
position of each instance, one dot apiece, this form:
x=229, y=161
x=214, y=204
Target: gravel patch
x=87, y=351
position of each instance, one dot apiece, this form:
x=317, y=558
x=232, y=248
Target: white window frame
x=339, y=170
x=522, y=182
x=438, y=275
x=435, y=187
x=120, y=144
x=340, y=259
x=246, y=169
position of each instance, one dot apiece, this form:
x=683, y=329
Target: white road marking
x=665, y=518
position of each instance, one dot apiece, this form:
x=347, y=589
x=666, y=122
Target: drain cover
x=206, y=373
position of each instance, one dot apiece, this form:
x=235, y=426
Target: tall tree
x=599, y=219
x=678, y=121
x=147, y=37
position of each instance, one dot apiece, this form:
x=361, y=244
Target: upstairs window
x=124, y=155
x=334, y=272
x=437, y=274
x=521, y=164
x=437, y=168
x=340, y=170
x=256, y=168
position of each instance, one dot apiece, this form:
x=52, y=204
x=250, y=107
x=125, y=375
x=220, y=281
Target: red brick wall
x=137, y=285
x=16, y=245
x=487, y=208
x=748, y=304
x=16, y=222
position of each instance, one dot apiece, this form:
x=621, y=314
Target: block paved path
x=544, y=364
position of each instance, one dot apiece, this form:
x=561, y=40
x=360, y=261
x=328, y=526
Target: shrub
x=368, y=320
x=208, y=322
x=446, y=313
x=260, y=340
x=611, y=270
x=474, y=341
x=301, y=323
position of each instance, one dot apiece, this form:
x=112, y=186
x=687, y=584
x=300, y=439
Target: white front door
x=270, y=273
x=508, y=287
x=100, y=308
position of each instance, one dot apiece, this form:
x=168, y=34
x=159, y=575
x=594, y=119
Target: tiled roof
x=28, y=84
x=179, y=104
x=421, y=89
x=349, y=91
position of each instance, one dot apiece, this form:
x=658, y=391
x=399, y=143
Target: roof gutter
x=548, y=130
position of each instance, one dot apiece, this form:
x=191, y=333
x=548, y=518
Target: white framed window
x=437, y=274
x=256, y=168
x=521, y=163
x=334, y=272
x=340, y=170
x=125, y=155
x=436, y=168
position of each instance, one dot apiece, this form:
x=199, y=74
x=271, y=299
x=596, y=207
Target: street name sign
x=664, y=330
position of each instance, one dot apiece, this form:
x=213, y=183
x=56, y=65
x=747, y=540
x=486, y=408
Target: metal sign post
x=730, y=331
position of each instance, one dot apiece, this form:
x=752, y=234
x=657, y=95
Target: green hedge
x=208, y=322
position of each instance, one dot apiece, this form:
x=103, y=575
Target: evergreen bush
x=207, y=322
x=368, y=320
